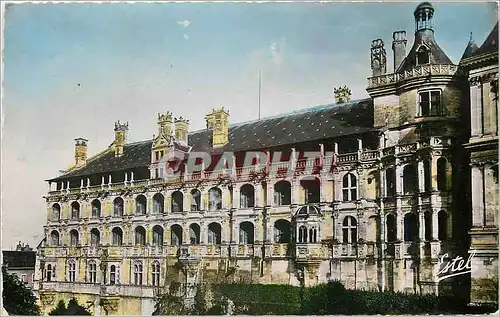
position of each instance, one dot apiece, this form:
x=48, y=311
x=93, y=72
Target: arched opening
x=194, y=233
x=282, y=231
x=176, y=235
x=313, y=235
x=422, y=56
x=118, y=207
x=49, y=273
x=92, y=271
x=247, y=196
x=214, y=233
x=349, y=187
x=392, y=235
x=246, y=233
x=96, y=208
x=116, y=236
x=410, y=179
x=427, y=175
x=74, y=238
x=390, y=182
x=140, y=205
x=282, y=193
x=54, y=238
x=140, y=235
x=56, y=212
x=195, y=200
x=75, y=210
x=177, y=201
x=112, y=275
x=428, y=225
x=302, y=234
x=95, y=237
x=411, y=227
x=311, y=188
x=158, y=203
x=349, y=230
x=442, y=225
x=72, y=270
x=441, y=173
x=157, y=235
x=214, y=199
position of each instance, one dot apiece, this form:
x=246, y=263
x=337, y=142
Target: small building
x=21, y=262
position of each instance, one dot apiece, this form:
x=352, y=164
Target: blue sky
x=71, y=70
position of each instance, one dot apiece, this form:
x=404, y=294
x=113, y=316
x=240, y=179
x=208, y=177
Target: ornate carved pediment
x=110, y=304
x=47, y=298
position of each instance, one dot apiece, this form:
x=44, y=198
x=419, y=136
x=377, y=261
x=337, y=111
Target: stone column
x=400, y=226
x=421, y=176
x=185, y=201
x=435, y=224
x=258, y=195
x=270, y=193
x=236, y=196
x=399, y=179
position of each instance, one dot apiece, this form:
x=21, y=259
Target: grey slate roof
x=19, y=259
x=322, y=122
x=438, y=56
x=470, y=49
x=490, y=45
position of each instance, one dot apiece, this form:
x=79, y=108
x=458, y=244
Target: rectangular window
x=430, y=103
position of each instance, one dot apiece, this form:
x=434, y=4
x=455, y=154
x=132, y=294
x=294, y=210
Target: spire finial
x=470, y=39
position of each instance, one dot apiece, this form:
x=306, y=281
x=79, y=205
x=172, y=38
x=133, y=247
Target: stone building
x=369, y=192
x=21, y=263
x=482, y=66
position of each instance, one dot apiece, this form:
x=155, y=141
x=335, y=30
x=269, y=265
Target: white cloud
x=186, y=37
x=184, y=23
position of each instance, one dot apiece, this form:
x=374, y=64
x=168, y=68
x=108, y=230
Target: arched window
x=140, y=236
x=194, y=233
x=138, y=273
x=95, y=237
x=410, y=179
x=282, y=231
x=428, y=225
x=214, y=199
x=441, y=173
x=411, y=227
x=96, y=208
x=75, y=211
x=392, y=235
x=112, y=275
x=118, y=207
x=313, y=235
x=350, y=230
x=54, y=238
x=157, y=235
x=158, y=203
x=302, y=234
x=140, y=205
x=442, y=225
x=177, y=201
x=390, y=182
x=195, y=200
x=73, y=238
x=311, y=188
x=422, y=56
x=247, y=196
x=92, y=266
x=349, y=187
x=246, y=232
x=56, y=212
x=72, y=270
x=282, y=193
x=176, y=235
x=49, y=273
x=155, y=273
x=214, y=233
x=117, y=236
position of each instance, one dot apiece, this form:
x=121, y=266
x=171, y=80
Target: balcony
x=416, y=72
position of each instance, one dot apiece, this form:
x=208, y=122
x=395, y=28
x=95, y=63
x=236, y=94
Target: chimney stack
x=399, y=48
x=120, y=137
x=342, y=94
x=165, y=124
x=80, y=152
x=181, y=130
x=378, y=58
x=218, y=122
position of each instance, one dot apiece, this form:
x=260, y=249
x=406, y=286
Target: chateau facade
x=370, y=192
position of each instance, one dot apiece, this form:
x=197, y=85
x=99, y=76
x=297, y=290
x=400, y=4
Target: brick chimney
x=399, y=48
x=80, y=152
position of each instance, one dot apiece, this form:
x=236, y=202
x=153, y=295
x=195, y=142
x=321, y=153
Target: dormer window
x=429, y=103
x=423, y=56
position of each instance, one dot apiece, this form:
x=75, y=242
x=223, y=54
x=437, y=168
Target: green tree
x=73, y=309
x=17, y=298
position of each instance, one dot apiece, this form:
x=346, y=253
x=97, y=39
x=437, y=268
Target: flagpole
x=260, y=88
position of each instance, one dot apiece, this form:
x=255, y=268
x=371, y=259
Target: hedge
x=326, y=299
